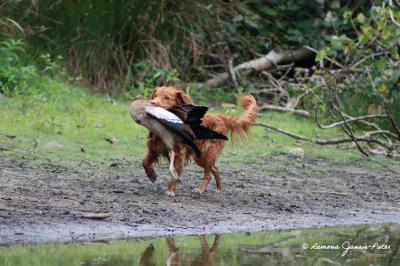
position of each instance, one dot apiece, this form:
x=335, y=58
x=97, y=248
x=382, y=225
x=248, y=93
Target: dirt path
x=44, y=202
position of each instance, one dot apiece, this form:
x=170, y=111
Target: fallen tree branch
x=368, y=139
x=232, y=73
x=284, y=109
x=267, y=62
x=385, y=144
x=349, y=131
x=333, y=61
x=96, y=215
x=394, y=125
x=352, y=119
x=382, y=132
x=281, y=131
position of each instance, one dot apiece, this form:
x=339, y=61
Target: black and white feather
x=192, y=115
x=175, y=124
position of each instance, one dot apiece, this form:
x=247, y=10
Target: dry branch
x=281, y=131
x=267, y=62
x=349, y=131
x=382, y=132
x=394, y=124
x=96, y=215
x=385, y=144
x=232, y=73
x=334, y=141
x=352, y=119
x=284, y=109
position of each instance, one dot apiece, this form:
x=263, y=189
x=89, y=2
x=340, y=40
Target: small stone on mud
x=53, y=144
x=296, y=152
x=240, y=186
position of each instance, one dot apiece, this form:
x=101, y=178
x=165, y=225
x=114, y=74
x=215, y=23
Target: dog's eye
x=167, y=97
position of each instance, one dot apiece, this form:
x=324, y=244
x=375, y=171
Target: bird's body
x=169, y=127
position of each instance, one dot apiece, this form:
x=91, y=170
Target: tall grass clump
x=105, y=42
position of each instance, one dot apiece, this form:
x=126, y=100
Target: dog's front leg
x=153, y=152
x=147, y=163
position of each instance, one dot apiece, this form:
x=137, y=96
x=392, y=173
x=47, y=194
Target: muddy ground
x=43, y=202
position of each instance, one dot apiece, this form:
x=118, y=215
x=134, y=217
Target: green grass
x=65, y=124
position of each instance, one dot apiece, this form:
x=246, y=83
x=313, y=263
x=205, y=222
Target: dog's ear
x=182, y=97
x=153, y=94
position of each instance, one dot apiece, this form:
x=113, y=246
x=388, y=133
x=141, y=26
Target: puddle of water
x=365, y=245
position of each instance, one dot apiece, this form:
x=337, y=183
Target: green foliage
x=104, y=41
x=369, y=79
x=15, y=77
x=288, y=23
x=145, y=76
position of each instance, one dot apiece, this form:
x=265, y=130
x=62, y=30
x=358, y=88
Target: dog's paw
x=151, y=174
x=153, y=179
x=170, y=193
x=197, y=191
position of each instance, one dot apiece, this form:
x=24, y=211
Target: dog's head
x=167, y=97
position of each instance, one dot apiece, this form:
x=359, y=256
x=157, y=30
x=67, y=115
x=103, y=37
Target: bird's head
x=137, y=109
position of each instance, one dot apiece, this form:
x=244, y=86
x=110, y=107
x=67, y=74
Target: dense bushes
x=106, y=41
x=15, y=76
x=368, y=79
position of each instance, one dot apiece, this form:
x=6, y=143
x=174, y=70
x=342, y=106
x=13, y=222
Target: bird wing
x=174, y=123
x=194, y=112
x=202, y=132
x=193, y=116
x=178, y=111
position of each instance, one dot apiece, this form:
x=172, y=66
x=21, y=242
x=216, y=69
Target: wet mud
x=44, y=202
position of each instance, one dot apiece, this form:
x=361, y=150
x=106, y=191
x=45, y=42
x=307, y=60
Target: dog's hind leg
x=217, y=175
x=206, y=180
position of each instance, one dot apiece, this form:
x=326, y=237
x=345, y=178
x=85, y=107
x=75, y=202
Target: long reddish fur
x=210, y=149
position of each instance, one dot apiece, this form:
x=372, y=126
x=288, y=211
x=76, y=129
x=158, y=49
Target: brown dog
x=168, y=97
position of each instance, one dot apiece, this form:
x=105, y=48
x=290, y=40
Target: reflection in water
x=322, y=246
x=174, y=256
x=147, y=256
x=206, y=253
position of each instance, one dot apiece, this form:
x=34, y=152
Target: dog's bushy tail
x=239, y=125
